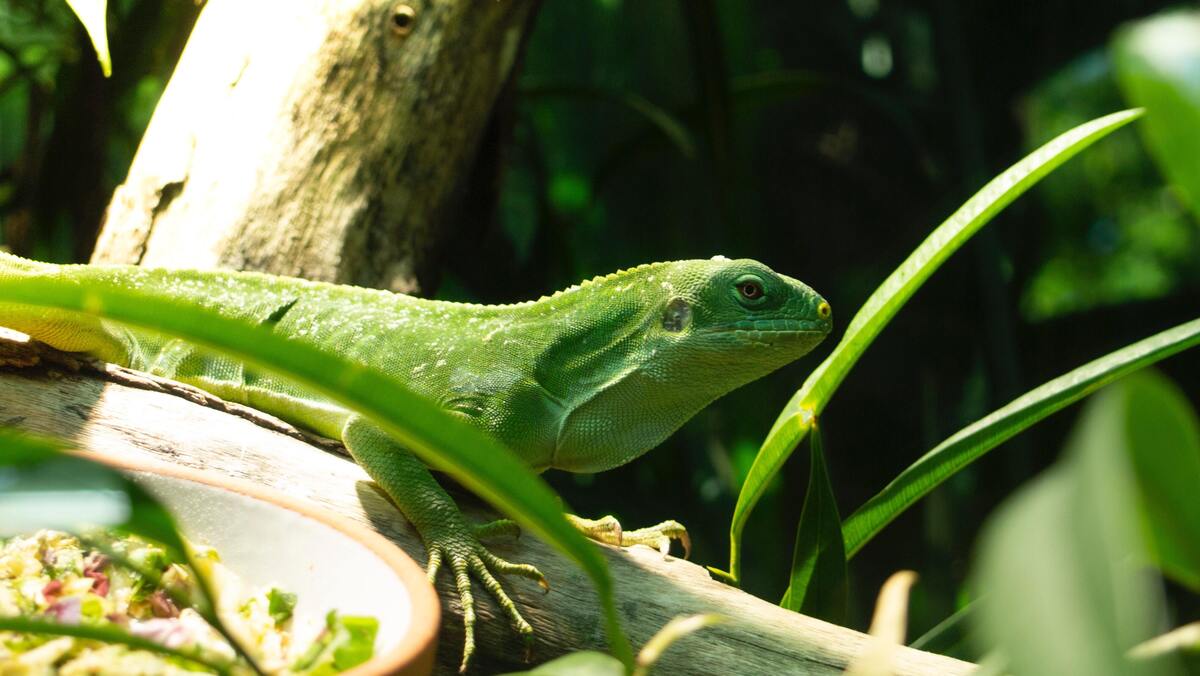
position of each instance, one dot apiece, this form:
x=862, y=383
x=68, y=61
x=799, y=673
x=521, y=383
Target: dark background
x=825, y=139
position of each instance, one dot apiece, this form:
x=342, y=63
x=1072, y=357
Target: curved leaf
x=1155, y=63
x=91, y=14
x=475, y=459
x=818, y=587
x=1162, y=437
x=971, y=442
x=1057, y=562
x=796, y=419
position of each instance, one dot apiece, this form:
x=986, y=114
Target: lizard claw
x=606, y=529
x=659, y=537
x=467, y=558
x=609, y=531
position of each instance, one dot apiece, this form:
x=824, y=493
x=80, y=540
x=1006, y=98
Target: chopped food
x=53, y=576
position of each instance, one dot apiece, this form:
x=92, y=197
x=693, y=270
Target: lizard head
x=703, y=328
x=747, y=316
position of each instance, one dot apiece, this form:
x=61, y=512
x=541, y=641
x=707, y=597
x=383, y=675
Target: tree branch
x=325, y=139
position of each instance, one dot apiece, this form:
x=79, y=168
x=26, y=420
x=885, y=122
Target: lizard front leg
x=449, y=540
x=608, y=530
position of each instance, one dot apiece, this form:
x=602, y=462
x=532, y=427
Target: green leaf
x=971, y=442
x=347, y=641
x=818, y=584
x=1162, y=436
x=808, y=402
x=280, y=605
x=1056, y=566
x=1155, y=62
x=107, y=634
x=447, y=444
x=356, y=639
x=92, y=14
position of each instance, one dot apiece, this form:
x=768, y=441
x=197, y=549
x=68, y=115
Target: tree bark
x=325, y=139
x=122, y=412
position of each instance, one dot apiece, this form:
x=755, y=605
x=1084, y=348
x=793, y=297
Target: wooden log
x=125, y=413
x=325, y=139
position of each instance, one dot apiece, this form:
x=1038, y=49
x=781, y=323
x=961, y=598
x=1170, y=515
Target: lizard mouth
x=774, y=326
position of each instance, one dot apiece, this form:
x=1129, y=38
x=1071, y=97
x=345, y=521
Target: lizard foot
x=465, y=556
x=608, y=530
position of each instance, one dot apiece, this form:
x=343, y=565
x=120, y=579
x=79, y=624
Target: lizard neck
x=595, y=333
x=608, y=359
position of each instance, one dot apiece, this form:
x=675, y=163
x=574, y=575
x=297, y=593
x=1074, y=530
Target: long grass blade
x=475, y=459
x=971, y=442
x=796, y=419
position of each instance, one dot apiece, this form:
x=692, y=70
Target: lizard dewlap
x=583, y=380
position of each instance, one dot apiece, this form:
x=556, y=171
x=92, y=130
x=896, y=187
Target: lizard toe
x=505, y=527
x=489, y=581
x=605, y=529
x=463, y=583
x=659, y=537
x=520, y=569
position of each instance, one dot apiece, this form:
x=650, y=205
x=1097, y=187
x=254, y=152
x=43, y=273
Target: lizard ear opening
x=677, y=315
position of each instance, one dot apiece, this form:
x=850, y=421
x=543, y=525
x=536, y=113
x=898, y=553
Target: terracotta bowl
x=267, y=538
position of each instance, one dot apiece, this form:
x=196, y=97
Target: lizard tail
x=60, y=329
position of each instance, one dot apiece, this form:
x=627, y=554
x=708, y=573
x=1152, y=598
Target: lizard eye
x=750, y=290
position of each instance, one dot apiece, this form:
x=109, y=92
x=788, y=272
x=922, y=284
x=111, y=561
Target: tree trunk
x=125, y=413
x=325, y=139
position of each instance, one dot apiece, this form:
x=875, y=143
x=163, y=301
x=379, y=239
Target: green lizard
x=584, y=380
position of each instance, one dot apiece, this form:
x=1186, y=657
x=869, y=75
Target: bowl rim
x=418, y=643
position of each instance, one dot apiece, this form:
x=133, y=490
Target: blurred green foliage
x=825, y=139
x=1120, y=234
x=1158, y=65
x=1060, y=563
